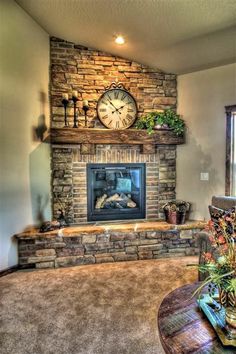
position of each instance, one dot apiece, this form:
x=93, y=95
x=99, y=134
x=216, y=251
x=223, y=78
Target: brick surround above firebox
x=69, y=178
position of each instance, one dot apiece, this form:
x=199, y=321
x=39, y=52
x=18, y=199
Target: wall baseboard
x=9, y=270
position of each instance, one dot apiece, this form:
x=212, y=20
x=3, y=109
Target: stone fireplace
x=76, y=151
x=89, y=71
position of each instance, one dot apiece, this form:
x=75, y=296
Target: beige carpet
x=95, y=309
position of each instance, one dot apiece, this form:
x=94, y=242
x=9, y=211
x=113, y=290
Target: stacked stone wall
x=90, y=71
x=44, y=251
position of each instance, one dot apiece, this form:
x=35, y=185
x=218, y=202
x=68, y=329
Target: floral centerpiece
x=220, y=264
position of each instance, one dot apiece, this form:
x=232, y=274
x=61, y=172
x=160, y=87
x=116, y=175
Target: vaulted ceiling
x=178, y=36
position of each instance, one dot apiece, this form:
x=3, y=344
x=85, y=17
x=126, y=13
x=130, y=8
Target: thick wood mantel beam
x=106, y=136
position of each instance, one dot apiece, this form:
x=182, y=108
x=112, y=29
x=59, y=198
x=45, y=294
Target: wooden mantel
x=88, y=137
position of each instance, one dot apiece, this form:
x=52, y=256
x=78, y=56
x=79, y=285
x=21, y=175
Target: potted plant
x=175, y=211
x=168, y=119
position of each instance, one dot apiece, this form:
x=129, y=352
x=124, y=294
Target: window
x=230, y=181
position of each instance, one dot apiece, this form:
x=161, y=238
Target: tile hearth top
x=137, y=226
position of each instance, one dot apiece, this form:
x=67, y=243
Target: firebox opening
x=116, y=191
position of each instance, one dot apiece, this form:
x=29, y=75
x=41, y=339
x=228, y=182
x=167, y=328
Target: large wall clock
x=117, y=108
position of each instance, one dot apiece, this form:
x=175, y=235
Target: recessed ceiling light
x=119, y=40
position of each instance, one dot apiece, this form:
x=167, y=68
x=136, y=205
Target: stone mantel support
x=89, y=137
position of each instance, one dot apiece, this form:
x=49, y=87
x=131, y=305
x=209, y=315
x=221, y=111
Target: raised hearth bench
x=104, y=242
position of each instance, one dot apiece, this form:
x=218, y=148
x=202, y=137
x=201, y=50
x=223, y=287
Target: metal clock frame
x=121, y=87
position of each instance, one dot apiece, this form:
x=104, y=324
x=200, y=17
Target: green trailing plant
x=167, y=119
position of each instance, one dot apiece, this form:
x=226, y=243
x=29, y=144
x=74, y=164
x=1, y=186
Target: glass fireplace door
x=116, y=191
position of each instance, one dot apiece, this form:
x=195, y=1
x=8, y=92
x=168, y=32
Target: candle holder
x=85, y=109
x=65, y=104
x=75, y=99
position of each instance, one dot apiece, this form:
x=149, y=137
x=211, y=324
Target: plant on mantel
x=168, y=119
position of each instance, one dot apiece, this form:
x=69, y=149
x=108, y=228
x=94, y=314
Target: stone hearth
x=87, y=244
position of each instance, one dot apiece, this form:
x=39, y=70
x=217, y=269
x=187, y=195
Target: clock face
x=117, y=109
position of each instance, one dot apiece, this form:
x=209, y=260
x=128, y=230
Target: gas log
x=116, y=201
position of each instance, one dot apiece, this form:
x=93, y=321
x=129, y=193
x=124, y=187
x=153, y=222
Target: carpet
x=94, y=309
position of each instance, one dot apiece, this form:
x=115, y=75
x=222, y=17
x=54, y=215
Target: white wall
x=24, y=160
x=202, y=97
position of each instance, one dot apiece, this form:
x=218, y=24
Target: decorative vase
x=175, y=217
x=162, y=127
x=227, y=299
x=223, y=298
x=230, y=316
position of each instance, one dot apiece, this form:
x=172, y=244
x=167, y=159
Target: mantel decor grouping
x=65, y=101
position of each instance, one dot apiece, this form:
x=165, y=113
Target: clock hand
x=112, y=105
x=121, y=107
x=118, y=109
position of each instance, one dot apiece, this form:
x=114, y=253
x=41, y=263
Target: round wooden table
x=184, y=328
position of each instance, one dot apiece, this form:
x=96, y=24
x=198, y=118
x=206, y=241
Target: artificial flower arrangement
x=220, y=264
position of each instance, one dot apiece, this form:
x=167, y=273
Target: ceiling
x=177, y=36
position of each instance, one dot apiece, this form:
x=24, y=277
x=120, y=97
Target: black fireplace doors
x=116, y=191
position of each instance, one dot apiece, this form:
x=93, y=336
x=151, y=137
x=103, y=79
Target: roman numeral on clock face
x=130, y=110
x=105, y=117
x=104, y=102
x=117, y=125
x=129, y=117
x=123, y=97
x=102, y=110
x=116, y=94
x=125, y=121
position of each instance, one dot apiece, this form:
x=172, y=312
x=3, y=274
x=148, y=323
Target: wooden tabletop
x=184, y=328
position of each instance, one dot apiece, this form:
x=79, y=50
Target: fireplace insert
x=116, y=191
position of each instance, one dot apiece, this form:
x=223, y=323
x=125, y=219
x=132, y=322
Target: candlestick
x=85, y=109
x=65, y=96
x=75, y=99
x=65, y=102
x=85, y=103
x=75, y=94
